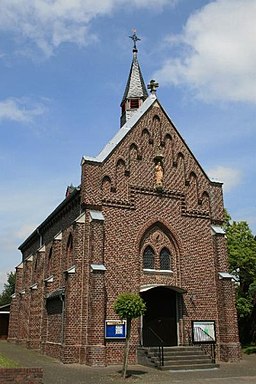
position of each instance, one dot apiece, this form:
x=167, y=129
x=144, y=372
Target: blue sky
x=63, y=69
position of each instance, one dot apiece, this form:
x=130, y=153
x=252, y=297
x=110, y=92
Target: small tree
x=242, y=260
x=128, y=306
x=9, y=289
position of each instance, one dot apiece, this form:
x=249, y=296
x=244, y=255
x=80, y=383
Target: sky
x=63, y=69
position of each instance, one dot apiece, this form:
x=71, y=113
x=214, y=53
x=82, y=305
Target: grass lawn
x=7, y=363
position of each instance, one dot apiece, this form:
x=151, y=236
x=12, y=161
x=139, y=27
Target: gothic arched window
x=148, y=258
x=165, y=259
x=49, y=262
x=69, y=251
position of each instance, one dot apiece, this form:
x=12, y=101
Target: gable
x=131, y=158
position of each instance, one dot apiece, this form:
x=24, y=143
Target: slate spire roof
x=135, y=91
x=135, y=87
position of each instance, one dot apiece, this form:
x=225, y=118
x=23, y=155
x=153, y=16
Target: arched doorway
x=160, y=320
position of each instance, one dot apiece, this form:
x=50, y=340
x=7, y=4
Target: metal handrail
x=160, y=347
x=210, y=348
x=207, y=342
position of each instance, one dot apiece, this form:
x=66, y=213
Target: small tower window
x=148, y=258
x=165, y=257
x=134, y=103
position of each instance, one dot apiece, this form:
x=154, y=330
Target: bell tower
x=135, y=91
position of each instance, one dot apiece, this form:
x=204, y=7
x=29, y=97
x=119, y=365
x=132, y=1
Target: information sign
x=203, y=331
x=115, y=329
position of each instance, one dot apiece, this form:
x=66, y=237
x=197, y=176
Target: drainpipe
x=62, y=318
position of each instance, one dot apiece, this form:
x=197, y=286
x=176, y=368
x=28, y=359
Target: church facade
x=147, y=219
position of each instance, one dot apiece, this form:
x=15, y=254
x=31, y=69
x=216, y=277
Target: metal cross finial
x=135, y=38
x=153, y=85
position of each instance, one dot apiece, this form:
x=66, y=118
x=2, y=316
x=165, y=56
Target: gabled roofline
x=213, y=182
x=122, y=132
x=36, y=232
x=120, y=135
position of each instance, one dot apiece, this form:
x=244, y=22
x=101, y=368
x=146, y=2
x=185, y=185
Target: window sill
x=165, y=271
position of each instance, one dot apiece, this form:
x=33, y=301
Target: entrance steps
x=176, y=358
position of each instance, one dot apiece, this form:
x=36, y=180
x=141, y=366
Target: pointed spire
x=135, y=91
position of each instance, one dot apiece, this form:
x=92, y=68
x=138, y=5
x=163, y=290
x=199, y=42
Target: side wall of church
x=47, y=308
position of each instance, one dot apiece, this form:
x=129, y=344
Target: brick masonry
x=21, y=375
x=61, y=302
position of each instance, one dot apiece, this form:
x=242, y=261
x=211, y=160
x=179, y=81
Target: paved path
x=55, y=372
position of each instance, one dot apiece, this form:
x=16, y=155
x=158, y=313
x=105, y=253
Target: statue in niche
x=159, y=175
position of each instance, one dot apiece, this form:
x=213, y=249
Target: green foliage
x=129, y=306
x=242, y=260
x=244, y=306
x=9, y=289
x=249, y=349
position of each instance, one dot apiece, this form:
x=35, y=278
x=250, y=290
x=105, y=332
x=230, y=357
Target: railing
x=206, y=342
x=160, y=347
x=209, y=349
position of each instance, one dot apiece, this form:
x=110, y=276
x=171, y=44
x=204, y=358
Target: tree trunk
x=126, y=350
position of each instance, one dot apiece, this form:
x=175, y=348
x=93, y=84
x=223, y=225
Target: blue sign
x=115, y=329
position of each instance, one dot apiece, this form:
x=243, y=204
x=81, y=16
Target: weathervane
x=135, y=38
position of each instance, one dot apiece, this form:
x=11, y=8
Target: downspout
x=62, y=317
x=82, y=295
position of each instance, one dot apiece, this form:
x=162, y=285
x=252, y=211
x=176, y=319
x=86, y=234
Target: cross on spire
x=153, y=85
x=135, y=38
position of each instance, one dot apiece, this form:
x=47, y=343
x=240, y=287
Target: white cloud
x=20, y=110
x=229, y=176
x=218, y=52
x=48, y=23
x=24, y=231
x=21, y=212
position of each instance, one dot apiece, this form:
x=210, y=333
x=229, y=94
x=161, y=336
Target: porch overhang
x=147, y=287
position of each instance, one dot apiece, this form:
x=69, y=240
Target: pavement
x=243, y=372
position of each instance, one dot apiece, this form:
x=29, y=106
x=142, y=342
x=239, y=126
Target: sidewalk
x=55, y=372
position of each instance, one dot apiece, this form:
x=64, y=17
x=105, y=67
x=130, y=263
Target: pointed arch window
x=148, y=258
x=165, y=259
x=69, y=251
x=49, y=262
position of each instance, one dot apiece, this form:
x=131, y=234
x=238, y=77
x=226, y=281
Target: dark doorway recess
x=160, y=320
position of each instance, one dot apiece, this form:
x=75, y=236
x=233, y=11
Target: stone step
x=176, y=349
x=184, y=353
x=187, y=361
x=176, y=358
x=188, y=367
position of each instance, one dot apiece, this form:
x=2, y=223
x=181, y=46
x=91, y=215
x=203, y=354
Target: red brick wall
x=21, y=375
x=135, y=215
x=183, y=212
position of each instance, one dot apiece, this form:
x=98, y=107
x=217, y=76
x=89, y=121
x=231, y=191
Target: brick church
x=147, y=219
